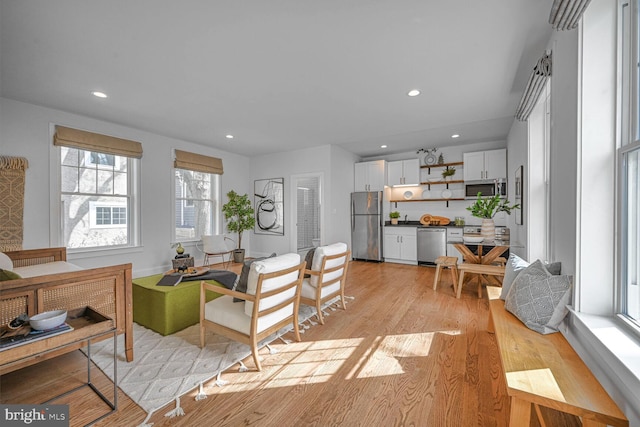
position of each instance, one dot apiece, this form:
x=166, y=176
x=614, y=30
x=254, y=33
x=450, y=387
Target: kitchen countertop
x=401, y=223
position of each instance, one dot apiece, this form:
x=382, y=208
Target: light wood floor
x=400, y=355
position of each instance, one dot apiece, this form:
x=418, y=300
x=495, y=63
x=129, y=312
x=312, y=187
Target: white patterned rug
x=167, y=367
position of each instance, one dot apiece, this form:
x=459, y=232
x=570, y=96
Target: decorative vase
x=488, y=229
x=238, y=255
x=179, y=249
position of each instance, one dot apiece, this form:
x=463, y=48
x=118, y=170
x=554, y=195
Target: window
x=196, y=196
x=628, y=159
x=97, y=187
x=96, y=198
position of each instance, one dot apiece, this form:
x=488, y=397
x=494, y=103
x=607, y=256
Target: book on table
x=32, y=335
x=170, y=279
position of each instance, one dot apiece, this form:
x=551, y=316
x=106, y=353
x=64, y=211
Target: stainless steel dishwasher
x=432, y=243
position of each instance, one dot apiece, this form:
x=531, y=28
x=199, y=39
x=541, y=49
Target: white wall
x=24, y=132
x=336, y=165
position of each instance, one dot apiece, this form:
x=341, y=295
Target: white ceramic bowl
x=48, y=320
x=473, y=239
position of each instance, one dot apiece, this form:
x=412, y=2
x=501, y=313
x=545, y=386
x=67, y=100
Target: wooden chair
x=328, y=274
x=216, y=245
x=271, y=303
x=449, y=262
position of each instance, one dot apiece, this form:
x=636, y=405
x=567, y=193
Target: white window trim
x=56, y=238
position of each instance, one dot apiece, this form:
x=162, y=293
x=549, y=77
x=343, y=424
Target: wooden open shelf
x=442, y=165
x=457, y=181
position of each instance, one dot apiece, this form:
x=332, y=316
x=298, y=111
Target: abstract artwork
x=269, y=206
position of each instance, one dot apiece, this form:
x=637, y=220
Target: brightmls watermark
x=34, y=415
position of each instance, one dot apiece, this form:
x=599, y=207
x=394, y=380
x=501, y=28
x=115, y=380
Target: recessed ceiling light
x=413, y=92
x=383, y=146
x=229, y=136
x=99, y=94
x=455, y=135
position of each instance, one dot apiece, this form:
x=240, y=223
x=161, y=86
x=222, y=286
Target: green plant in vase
x=486, y=208
x=448, y=172
x=394, y=217
x=240, y=214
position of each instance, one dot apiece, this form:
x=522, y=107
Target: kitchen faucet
x=405, y=219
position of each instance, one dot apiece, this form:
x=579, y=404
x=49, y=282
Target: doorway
x=307, y=200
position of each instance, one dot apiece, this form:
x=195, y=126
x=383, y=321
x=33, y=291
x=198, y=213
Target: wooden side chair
x=327, y=277
x=449, y=262
x=271, y=303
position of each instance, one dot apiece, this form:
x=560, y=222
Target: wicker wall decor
x=12, y=178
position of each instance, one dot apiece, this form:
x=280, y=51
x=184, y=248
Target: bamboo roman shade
x=74, y=138
x=566, y=14
x=537, y=80
x=198, y=162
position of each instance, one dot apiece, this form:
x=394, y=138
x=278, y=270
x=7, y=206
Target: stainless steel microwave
x=485, y=189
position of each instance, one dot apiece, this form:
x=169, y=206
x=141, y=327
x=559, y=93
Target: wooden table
x=498, y=247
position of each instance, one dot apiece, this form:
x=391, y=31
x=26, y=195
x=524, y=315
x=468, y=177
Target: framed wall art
x=269, y=206
x=519, y=196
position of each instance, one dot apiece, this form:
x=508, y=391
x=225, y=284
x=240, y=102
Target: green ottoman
x=167, y=309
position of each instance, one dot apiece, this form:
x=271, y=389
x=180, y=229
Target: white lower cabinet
x=400, y=245
x=454, y=234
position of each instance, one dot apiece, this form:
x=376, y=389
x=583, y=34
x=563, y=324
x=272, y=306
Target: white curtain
x=535, y=86
x=565, y=14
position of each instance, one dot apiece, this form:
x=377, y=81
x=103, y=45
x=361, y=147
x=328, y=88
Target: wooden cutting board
x=427, y=218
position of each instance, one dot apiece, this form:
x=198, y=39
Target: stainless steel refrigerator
x=366, y=225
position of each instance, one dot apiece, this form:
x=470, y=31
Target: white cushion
x=224, y=311
x=539, y=299
x=336, y=248
x=309, y=291
x=54, y=267
x=271, y=265
x=5, y=262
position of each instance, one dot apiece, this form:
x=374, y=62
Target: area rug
x=167, y=367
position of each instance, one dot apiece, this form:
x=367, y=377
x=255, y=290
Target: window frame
x=215, y=200
x=56, y=220
x=628, y=142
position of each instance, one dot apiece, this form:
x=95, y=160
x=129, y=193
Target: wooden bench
x=545, y=371
x=449, y=262
x=484, y=270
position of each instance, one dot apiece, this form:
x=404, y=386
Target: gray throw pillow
x=539, y=299
x=244, y=275
x=515, y=265
x=309, y=260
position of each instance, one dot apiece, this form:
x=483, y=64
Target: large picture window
x=97, y=185
x=196, y=204
x=196, y=196
x=96, y=198
x=628, y=160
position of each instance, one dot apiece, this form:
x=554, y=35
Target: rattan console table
x=87, y=325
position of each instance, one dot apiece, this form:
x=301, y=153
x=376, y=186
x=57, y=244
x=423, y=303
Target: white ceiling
x=279, y=74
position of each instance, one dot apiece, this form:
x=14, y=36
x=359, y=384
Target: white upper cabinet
x=404, y=172
x=490, y=164
x=370, y=176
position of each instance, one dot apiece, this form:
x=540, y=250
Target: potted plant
x=394, y=217
x=486, y=208
x=239, y=212
x=448, y=172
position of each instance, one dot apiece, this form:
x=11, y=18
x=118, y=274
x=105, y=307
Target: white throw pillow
x=515, y=265
x=333, y=249
x=5, y=262
x=539, y=299
x=269, y=265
